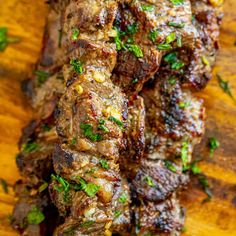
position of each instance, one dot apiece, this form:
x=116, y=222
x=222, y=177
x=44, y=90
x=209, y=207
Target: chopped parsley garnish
x=176, y=25
x=171, y=37
x=184, y=105
x=206, y=187
x=177, y=2
x=213, y=144
x=135, y=49
x=102, y=126
x=104, y=164
x=75, y=34
x=30, y=147
x=87, y=223
x=184, y=154
x=46, y=127
x=4, y=186
x=224, y=85
x=5, y=39
x=164, y=46
x=43, y=187
x=88, y=132
x=172, y=80
x=89, y=188
x=193, y=168
x=77, y=65
x=123, y=198
x=132, y=29
x=153, y=35
x=117, y=214
x=169, y=165
x=149, y=181
x=148, y=8
x=118, y=42
x=42, y=76
x=179, y=41
x=35, y=216
x=116, y=121
x=172, y=59
x=74, y=141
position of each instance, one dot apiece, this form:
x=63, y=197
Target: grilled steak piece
x=32, y=201
x=164, y=218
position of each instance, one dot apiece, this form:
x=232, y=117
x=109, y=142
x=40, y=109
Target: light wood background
x=26, y=19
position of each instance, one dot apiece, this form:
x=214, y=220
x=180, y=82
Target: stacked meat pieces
x=116, y=120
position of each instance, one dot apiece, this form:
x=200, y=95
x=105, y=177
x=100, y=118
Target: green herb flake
x=195, y=169
x=172, y=80
x=176, y=24
x=30, y=147
x=104, y=164
x=88, y=132
x=170, y=57
x=74, y=141
x=123, y=198
x=5, y=39
x=116, y=121
x=184, y=105
x=153, y=35
x=89, y=188
x=43, y=187
x=117, y=214
x=164, y=46
x=206, y=187
x=171, y=38
x=46, y=127
x=177, y=65
x=77, y=65
x=177, y=2
x=179, y=41
x=132, y=29
x=170, y=166
x=75, y=34
x=42, y=76
x=87, y=223
x=224, y=85
x=213, y=145
x=35, y=216
x=148, y=8
x=103, y=128
x=135, y=49
x=118, y=42
x=184, y=153
x=4, y=186
x=149, y=181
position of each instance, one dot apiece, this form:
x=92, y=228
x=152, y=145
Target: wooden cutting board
x=26, y=19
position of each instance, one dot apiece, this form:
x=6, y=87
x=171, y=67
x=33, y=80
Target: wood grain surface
x=26, y=19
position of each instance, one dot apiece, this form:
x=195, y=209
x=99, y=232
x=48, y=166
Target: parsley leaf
x=135, y=49
x=104, y=164
x=30, y=147
x=177, y=2
x=213, y=144
x=89, y=188
x=117, y=214
x=5, y=39
x=42, y=76
x=132, y=29
x=35, y=216
x=170, y=166
x=164, y=46
x=149, y=181
x=77, y=65
x=184, y=154
x=123, y=198
x=153, y=35
x=176, y=25
x=224, y=85
x=148, y=8
x=88, y=132
x=87, y=223
x=4, y=186
x=118, y=122
x=75, y=34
